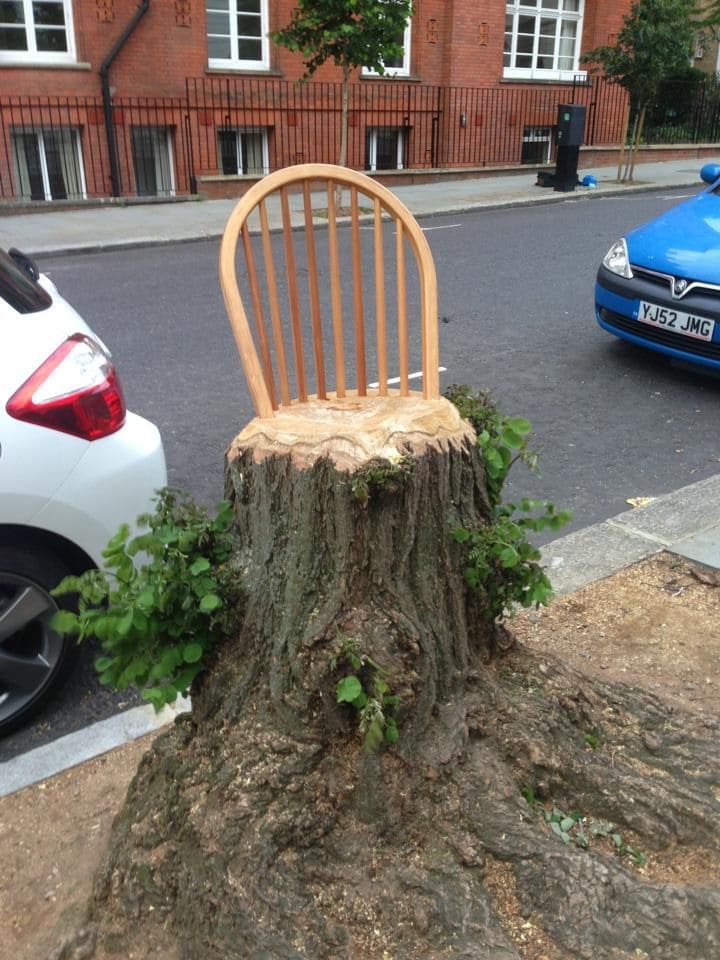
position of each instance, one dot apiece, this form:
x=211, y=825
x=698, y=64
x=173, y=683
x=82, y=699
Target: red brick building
x=193, y=91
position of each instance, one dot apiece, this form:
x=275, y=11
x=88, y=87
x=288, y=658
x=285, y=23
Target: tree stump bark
x=260, y=827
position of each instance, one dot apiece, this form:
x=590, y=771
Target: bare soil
x=654, y=625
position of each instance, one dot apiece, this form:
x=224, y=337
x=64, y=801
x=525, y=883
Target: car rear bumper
x=113, y=483
x=617, y=305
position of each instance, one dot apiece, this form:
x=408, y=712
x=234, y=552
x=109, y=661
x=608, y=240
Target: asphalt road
x=516, y=301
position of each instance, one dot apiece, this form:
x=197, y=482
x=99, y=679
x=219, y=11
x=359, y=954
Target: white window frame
x=539, y=134
x=234, y=62
x=404, y=70
x=39, y=133
x=372, y=147
x=239, y=131
x=32, y=54
x=518, y=8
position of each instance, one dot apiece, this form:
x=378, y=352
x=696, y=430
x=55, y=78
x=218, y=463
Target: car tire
x=34, y=659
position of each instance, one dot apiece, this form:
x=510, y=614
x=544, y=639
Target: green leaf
x=557, y=829
x=68, y=585
x=156, y=697
x=169, y=692
x=224, y=516
x=200, y=566
x=117, y=543
x=392, y=734
x=348, y=689
x=512, y=438
x=374, y=736
x=185, y=677
x=192, y=652
x=493, y=458
x=146, y=598
x=509, y=558
x=529, y=795
x=520, y=425
x=65, y=622
x=124, y=624
x=210, y=602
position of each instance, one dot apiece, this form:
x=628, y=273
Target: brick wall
x=457, y=45
x=454, y=43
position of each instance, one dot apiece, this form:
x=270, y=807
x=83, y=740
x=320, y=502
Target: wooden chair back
x=270, y=383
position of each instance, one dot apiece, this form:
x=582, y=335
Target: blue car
x=659, y=287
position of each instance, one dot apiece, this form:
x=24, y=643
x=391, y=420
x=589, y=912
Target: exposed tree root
x=254, y=843
x=260, y=828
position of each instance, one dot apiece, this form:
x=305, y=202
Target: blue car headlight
x=617, y=261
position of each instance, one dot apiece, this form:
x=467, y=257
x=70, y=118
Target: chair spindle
x=358, y=308
x=293, y=296
x=336, y=293
x=314, y=290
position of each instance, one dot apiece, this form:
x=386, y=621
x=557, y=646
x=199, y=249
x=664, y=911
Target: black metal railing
x=685, y=112
x=56, y=148
x=434, y=127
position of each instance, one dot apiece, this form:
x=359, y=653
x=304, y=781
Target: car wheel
x=34, y=659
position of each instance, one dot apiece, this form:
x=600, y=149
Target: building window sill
x=43, y=65
x=517, y=75
x=387, y=77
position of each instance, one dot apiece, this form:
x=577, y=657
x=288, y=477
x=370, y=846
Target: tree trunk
x=636, y=143
x=623, y=142
x=344, y=114
x=267, y=825
x=344, y=118
x=626, y=171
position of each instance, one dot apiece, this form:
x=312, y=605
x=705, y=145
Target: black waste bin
x=570, y=129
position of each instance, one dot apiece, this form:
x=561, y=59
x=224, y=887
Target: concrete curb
x=195, y=235
x=685, y=522
x=74, y=748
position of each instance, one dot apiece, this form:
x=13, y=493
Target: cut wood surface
x=354, y=430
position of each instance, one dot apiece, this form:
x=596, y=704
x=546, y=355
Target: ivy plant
x=165, y=598
x=367, y=690
x=574, y=828
x=502, y=563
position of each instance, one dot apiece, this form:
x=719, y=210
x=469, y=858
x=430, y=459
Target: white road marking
x=411, y=376
x=442, y=226
x=680, y=196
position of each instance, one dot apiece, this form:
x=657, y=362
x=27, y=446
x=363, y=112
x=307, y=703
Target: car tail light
x=76, y=390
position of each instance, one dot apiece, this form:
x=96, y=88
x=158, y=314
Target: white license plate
x=685, y=323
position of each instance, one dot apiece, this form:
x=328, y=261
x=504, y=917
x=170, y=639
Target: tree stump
x=262, y=827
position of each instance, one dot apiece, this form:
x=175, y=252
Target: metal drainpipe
x=107, y=101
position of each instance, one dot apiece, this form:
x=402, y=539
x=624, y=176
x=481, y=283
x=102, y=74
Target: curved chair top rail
x=258, y=369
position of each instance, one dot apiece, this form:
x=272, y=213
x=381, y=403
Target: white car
x=74, y=466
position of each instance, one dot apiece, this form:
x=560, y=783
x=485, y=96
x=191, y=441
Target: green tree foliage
x=707, y=13
x=351, y=34
x=654, y=44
